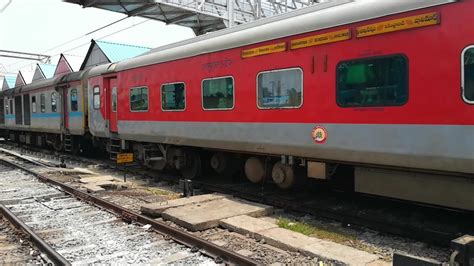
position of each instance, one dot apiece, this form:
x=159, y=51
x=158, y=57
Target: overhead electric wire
x=75, y=39
x=105, y=36
x=108, y=25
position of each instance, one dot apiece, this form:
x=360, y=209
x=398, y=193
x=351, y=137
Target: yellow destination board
x=125, y=158
x=423, y=20
x=263, y=50
x=330, y=37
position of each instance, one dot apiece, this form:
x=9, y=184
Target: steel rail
x=195, y=243
x=52, y=254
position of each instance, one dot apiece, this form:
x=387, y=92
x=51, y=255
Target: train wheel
x=255, y=170
x=225, y=164
x=219, y=162
x=192, y=167
x=283, y=175
x=58, y=145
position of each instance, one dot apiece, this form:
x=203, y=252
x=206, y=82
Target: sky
x=37, y=26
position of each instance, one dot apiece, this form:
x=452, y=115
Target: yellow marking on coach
x=264, y=50
x=320, y=39
x=424, y=20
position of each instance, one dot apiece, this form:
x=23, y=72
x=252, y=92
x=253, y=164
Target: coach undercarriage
x=287, y=172
x=58, y=142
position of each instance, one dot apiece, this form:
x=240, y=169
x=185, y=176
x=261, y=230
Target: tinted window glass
x=54, y=102
x=114, y=99
x=43, y=103
x=139, y=99
x=12, y=111
x=74, y=106
x=469, y=75
x=173, y=96
x=33, y=104
x=218, y=93
x=373, y=82
x=280, y=88
x=96, y=98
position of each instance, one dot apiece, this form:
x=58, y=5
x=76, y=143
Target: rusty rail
x=54, y=256
x=212, y=250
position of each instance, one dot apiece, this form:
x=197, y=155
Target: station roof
x=8, y=82
x=159, y=10
x=102, y=52
x=20, y=81
x=200, y=15
x=44, y=71
x=63, y=66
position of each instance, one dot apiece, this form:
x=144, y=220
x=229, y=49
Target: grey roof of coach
x=318, y=17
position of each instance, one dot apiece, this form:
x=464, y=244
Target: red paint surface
x=434, y=55
x=19, y=80
x=63, y=67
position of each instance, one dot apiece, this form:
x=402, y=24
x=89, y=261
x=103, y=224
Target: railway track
x=70, y=222
x=431, y=225
x=15, y=247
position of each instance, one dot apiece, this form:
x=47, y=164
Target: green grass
x=320, y=231
x=326, y=232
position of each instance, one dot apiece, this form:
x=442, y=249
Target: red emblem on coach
x=319, y=134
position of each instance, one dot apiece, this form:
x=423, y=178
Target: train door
x=65, y=95
x=112, y=104
x=2, y=111
x=26, y=110
x=18, y=110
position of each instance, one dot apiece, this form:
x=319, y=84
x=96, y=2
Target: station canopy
x=201, y=15
x=103, y=52
x=8, y=82
x=20, y=81
x=43, y=71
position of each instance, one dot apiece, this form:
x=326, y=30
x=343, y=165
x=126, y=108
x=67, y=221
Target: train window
x=43, y=102
x=114, y=99
x=96, y=98
x=379, y=81
x=468, y=75
x=173, y=97
x=139, y=99
x=280, y=88
x=74, y=106
x=33, y=104
x=218, y=93
x=54, y=102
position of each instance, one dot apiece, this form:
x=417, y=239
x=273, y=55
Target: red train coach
x=381, y=89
